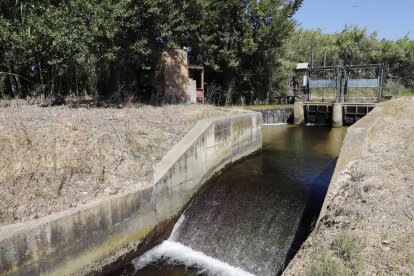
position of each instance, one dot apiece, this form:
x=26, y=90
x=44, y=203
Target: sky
x=391, y=19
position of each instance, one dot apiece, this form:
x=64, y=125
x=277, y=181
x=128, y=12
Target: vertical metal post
x=345, y=91
x=202, y=84
x=312, y=56
x=338, y=83
x=382, y=82
x=307, y=84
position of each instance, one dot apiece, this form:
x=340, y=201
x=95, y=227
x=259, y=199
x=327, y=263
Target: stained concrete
x=84, y=239
x=299, y=113
x=210, y=146
x=337, y=115
x=355, y=144
x=277, y=116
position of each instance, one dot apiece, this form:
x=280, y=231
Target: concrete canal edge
x=355, y=144
x=84, y=240
x=277, y=116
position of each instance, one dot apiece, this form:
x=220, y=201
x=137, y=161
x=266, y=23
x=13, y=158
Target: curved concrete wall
x=206, y=149
x=83, y=240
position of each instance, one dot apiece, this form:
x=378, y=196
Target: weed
x=214, y=94
x=229, y=93
x=357, y=173
x=101, y=160
x=324, y=264
x=135, y=147
x=54, y=159
x=348, y=249
x=343, y=257
x=396, y=89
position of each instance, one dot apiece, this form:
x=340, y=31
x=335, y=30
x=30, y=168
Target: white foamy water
x=276, y=124
x=176, y=253
x=177, y=227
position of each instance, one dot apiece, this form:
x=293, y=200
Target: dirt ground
x=56, y=158
x=369, y=225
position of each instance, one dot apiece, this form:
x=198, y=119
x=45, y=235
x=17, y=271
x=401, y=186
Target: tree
x=240, y=43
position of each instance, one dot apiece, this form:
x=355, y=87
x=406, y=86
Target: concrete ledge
x=206, y=149
x=356, y=143
x=277, y=116
x=87, y=238
x=79, y=240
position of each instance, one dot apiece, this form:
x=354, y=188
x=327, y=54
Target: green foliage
x=248, y=47
x=240, y=44
x=68, y=46
x=355, y=46
x=72, y=47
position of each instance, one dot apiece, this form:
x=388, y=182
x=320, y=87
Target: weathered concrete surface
x=355, y=145
x=172, y=79
x=366, y=223
x=299, y=113
x=192, y=90
x=83, y=240
x=205, y=150
x=74, y=241
x=337, y=115
x=277, y=116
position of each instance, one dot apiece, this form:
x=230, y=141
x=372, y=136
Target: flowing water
x=277, y=116
x=254, y=216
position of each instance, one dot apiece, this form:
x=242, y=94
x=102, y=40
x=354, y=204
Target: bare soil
x=56, y=158
x=369, y=225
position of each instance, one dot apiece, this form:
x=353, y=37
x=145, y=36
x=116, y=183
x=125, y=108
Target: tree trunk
x=12, y=85
x=18, y=86
x=115, y=75
x=269, y=91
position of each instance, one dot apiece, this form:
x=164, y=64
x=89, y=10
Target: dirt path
x=369, y=225
x=56, y=158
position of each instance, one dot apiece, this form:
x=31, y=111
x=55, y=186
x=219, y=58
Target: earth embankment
x=57, y=158
x=367, y=222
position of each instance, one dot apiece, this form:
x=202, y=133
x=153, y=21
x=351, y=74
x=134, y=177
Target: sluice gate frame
x=342, y=109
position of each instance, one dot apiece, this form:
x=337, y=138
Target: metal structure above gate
x=342, y=80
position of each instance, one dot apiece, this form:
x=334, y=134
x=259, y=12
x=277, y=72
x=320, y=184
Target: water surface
x=255, y=215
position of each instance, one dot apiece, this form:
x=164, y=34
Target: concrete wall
x=192, y=90
x=277, y=116
x=206, y=149
x=84, y=239
x=355, y=144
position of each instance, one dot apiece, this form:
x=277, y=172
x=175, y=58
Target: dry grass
x=342, y=257
x=55, y=158
x=367, y=228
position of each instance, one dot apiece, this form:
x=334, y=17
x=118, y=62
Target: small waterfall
x=253, y=217
x=176, y=253
x=244, y=225
x=277, y=116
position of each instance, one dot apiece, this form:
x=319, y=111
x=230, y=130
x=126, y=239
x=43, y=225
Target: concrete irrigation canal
x=254, y=216
x=239, y=197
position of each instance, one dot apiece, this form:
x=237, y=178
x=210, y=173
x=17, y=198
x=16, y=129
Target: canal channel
x=253, y=217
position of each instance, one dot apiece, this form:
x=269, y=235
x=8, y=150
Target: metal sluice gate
x=340, y=107
x=321, y=113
